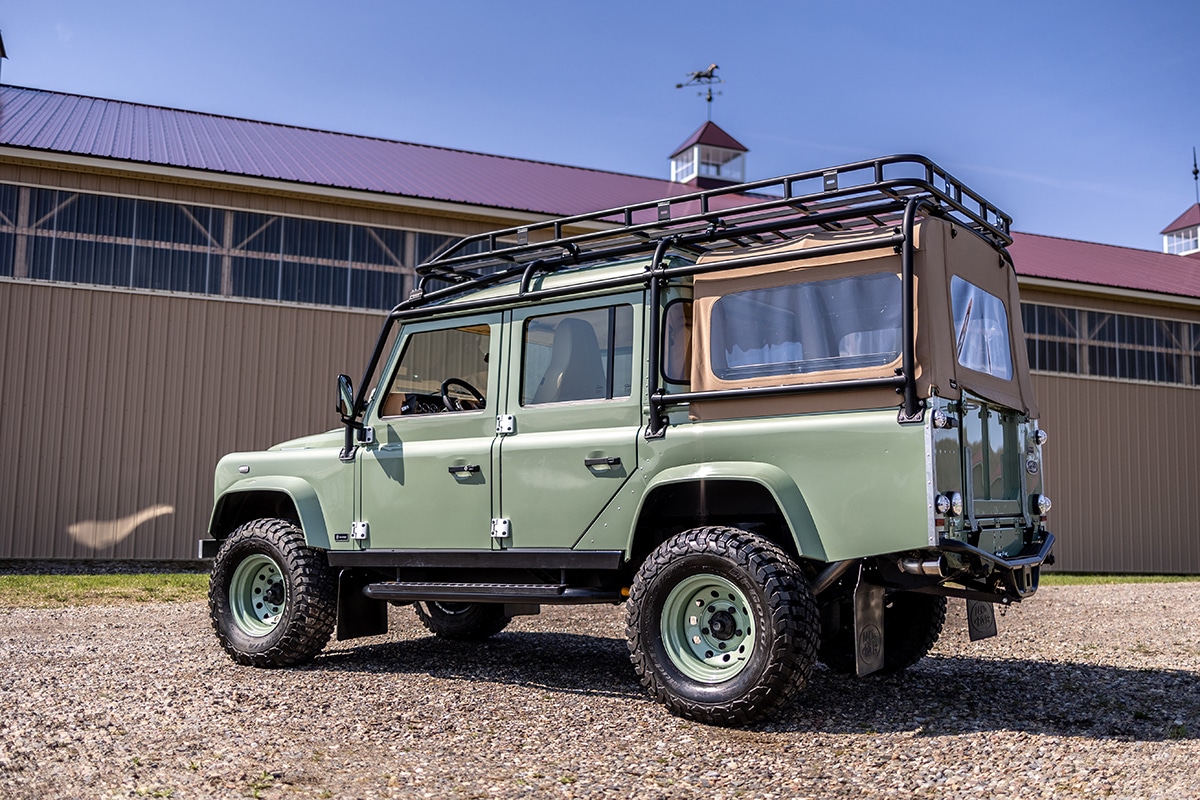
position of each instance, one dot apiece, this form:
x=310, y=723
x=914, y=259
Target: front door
x=573, y=391
x=427, y=479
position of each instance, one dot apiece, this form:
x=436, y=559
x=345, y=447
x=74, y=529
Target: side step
x=547, y=593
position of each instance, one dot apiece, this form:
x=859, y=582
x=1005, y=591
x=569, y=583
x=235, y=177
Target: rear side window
x=837, y=324
x=580, y=355
x=980, y=330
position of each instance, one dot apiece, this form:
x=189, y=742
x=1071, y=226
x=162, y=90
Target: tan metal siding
x=1122, y=470
x=119, y=403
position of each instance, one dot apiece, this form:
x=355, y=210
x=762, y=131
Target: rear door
x=574, y=394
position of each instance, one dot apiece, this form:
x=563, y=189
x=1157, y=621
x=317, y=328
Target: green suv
x=780, y=421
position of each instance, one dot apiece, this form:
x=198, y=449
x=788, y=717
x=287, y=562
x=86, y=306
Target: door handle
x=610, y=461
x=459, y=469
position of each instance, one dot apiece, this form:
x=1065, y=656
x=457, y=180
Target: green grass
x=1088, y=579
x=57, y=591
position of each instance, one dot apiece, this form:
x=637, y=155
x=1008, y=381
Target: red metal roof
x=1104, y=265
x=1188, y=219
x=89, y=126
x=711, y=134
x=64, y=123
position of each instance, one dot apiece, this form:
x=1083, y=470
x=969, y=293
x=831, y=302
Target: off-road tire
x=295, y=624
x=776, y=626
x=462, y=622
x=911, y=625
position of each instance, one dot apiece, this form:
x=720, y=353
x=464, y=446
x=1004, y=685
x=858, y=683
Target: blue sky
x=1078, y=118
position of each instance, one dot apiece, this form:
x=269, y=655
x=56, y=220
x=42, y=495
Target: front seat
x=576, y=370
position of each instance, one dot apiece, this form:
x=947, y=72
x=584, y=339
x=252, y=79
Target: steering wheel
x=453, y=403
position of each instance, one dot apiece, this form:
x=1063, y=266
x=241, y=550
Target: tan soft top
x=943, y=250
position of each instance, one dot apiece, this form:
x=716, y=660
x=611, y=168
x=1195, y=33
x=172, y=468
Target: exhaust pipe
x=916, y=566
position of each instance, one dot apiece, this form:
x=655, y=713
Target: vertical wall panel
x=1122, y=469
x=120, y=403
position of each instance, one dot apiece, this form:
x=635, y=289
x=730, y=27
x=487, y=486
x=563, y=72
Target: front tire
x=462, y=622
x=271, y=598
x=722, y=626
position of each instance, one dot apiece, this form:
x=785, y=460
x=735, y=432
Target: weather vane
x=706, y=78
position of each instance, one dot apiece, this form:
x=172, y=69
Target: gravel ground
x=1089, y=691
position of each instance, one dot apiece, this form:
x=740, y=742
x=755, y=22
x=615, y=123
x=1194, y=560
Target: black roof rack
x=852, y=196
x=884, y=192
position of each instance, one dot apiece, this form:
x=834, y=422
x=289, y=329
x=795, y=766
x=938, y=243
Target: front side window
x=442, y=370
x=580, y=355
x=837, y=324
x=980, y=330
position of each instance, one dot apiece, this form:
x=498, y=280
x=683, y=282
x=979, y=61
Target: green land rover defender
x=780, y=421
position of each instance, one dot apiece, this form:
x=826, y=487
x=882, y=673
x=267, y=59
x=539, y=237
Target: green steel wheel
x=272, y=599
x=707, y=630
x=257, y=595
x=722, y=626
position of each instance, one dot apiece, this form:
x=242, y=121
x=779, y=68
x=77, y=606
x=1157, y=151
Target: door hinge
x=359, y=530
x=366, y=435
x=501, y=528
x=506, y=424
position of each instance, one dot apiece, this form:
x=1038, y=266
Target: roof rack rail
x=862, y=194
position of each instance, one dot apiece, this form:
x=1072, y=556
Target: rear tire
x=271, y=598
x=721, y=625
x=912, y=624
x=462, y=622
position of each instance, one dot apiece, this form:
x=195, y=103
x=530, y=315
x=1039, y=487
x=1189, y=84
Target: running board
x=546, y=593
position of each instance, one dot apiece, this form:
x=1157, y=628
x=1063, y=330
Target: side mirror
x=345, y=398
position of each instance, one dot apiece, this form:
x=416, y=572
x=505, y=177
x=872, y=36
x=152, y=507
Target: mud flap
x=357, y=614
x=868, y=628
x=981, y=620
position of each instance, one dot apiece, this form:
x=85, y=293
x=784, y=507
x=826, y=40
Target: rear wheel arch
x=757, y=497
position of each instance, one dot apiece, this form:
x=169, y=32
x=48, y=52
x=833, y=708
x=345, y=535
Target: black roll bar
x=757, y=213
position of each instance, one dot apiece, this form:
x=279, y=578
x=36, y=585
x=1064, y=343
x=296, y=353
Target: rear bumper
x=1020, y=572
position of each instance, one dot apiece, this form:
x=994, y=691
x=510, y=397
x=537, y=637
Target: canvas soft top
x=943, y=249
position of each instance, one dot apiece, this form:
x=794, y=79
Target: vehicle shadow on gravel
x=561, y=662
x=955, y=695
x=940, y=696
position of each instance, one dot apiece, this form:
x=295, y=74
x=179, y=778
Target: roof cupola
x=1182, y=237
x=710, y=158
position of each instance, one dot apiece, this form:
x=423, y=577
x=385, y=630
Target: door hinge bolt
x=501, y=528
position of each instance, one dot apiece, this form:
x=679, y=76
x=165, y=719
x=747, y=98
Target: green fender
x=303, y=497
x=783, y=489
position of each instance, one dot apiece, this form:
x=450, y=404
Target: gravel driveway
x=1087, y=692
